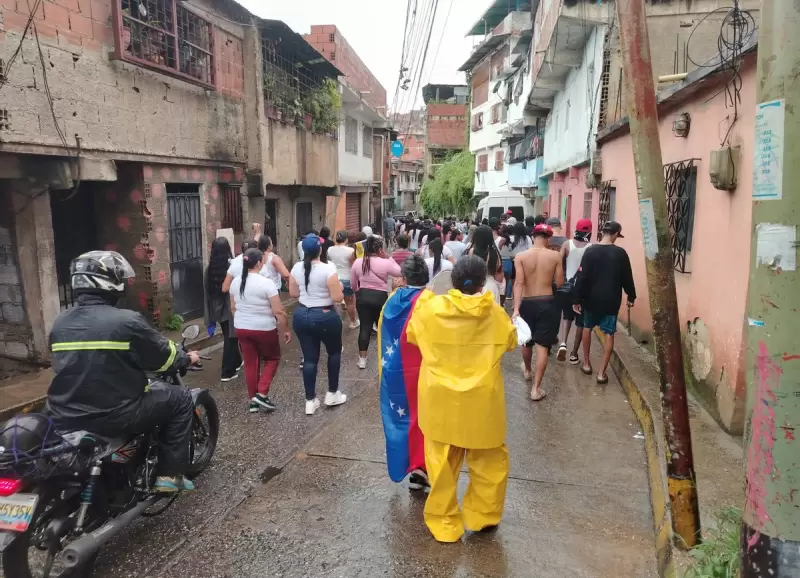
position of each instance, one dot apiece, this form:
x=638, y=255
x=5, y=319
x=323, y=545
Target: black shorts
x=543, y=316
x=565, y=302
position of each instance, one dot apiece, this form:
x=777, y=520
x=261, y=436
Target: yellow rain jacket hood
x=462, y=339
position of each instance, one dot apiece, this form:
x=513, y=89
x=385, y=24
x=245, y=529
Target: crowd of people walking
x=419, y=287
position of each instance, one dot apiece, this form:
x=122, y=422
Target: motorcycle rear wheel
x=17, y=558
x=205, y=433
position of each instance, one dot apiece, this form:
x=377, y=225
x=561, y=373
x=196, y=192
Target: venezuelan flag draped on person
x=399, y=373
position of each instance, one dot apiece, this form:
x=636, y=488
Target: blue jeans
x=508, y=273
x=315, y=326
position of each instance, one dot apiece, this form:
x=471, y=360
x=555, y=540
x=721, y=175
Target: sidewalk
x=718, y=456
x=577, y=505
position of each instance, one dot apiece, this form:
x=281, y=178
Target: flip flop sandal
x=587, y=370
x=542, y=395
x=602, y=380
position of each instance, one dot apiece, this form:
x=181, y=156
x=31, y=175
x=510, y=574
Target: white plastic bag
x=523, y=331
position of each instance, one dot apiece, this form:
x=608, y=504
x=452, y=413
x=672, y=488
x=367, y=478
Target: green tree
x=450, y=192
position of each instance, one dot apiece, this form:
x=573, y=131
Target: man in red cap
x=572, y=253
x=537, y=269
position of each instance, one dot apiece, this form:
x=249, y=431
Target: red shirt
x=400, y=255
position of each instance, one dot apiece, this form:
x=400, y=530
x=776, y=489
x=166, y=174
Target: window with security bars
x=680, y=182
x=605, y=76
x=366, y=140
x=232, y=209
x=607, y=208
x=351, y=135
x=165, y=35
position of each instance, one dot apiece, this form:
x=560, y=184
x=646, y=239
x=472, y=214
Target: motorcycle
x=62, y=500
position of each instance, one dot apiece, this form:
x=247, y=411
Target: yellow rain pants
x=485, y=498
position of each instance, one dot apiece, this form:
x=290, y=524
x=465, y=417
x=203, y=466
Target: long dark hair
x=505, y=233
x=218, y=263
x=264, y=243
x=372, y=246
x=483, y=246
x=520, y=234
x=250, y=259
x=324, y=235
x=435, y=248
x=309, y=256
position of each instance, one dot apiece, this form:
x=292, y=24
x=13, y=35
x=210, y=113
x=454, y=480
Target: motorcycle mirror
x=191, y=332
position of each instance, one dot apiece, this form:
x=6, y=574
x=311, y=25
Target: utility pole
x=643, y=118
x=770, y=538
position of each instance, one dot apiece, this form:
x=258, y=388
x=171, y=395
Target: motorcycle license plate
x=16, y=512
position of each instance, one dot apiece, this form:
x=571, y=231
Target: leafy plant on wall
x=451, y=192
x=324, y=103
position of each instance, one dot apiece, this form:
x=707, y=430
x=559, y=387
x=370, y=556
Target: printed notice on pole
x=648, y=219
x=768, y=152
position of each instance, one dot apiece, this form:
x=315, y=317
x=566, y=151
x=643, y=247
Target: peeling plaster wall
x=111, y=105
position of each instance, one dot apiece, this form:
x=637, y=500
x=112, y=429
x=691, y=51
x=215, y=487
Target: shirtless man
x=537, y=269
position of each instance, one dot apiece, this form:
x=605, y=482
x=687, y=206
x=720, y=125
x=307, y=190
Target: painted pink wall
x=572, y=189
x=716, y=289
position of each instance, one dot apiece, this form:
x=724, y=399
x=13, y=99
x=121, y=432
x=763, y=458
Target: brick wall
x=111, y=105
x=16, y=337
x=413, y=147
x=135, y=223
x=329, y=42
x=447, y=126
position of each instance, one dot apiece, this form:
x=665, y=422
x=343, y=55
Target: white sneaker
x=312, y=406
x=375, y=327
x=362, y=362
x=355, y=324
x=335, y=398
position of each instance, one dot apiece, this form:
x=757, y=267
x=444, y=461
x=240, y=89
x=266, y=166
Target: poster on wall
x=768, y=151
x=648, y=221
x=228, y=234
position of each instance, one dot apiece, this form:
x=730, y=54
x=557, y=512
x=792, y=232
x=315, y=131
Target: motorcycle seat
x=99, y=444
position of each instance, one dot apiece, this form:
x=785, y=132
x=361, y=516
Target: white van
x=497, y=205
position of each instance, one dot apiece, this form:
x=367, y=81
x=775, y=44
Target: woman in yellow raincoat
x=462, y=410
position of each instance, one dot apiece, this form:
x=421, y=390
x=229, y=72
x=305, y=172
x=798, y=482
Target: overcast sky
x=374, y=28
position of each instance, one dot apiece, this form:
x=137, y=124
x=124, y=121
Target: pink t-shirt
x=377, y=278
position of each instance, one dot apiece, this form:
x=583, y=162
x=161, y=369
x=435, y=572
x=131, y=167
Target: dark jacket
x=100, y=356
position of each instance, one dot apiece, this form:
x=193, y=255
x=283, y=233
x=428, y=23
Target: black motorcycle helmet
x=101, y=273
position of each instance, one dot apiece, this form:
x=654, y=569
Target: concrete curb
x=656, y=459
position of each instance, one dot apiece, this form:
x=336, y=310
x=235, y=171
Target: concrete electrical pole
x=643, y=117
x=770, y=536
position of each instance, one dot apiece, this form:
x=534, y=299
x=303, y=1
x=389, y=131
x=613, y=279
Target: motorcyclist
x=100, y=356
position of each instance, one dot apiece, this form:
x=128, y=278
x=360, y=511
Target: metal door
x=305, y=220
x=185, y=250
x=74, y=232
x=353, y=212
x=271, y=220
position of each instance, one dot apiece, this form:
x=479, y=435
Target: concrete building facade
x=711, y=228
x=172, y=143
x=363, y=142
x=506, y=29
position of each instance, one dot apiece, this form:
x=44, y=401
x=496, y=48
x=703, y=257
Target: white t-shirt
x=300, y=252
x=317, y=294
x=340, y=256
x=236, y=266
x=446, y=252
x=253, y=310
x=445, y=266
x=456, y=249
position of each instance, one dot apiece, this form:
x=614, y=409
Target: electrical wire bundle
x=737, y=30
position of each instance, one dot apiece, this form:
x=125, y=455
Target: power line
x=438, y=46
x=402, y=55
x=424, y=57
x=413, y=55
x=418, y=61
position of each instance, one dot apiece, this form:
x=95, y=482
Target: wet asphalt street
x=295, y=496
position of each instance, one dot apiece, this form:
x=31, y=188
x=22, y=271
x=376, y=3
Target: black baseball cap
x=614, y=228
x=494, y=223
x=554, y=222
